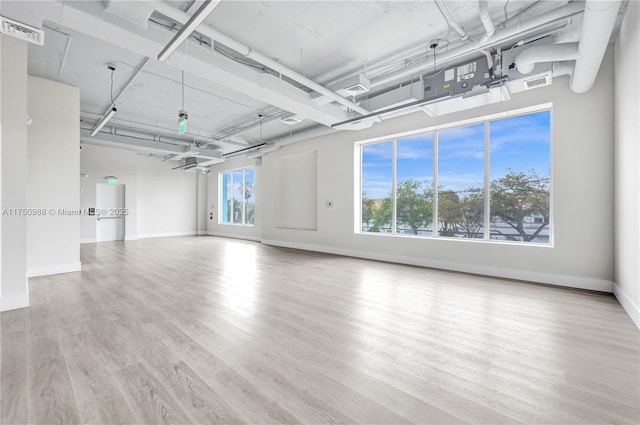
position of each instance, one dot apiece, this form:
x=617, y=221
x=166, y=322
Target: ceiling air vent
x=21, y=31
x=545, y=80
x=290, y=119
x=353, y=86
x=356, y=89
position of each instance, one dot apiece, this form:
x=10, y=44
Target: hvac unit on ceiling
x=472, y=84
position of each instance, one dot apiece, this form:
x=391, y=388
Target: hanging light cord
x=183, y=89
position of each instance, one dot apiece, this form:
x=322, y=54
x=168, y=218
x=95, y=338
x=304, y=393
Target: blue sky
x=235, y=192
x=248, y=177
x=237, y=185
x=520, y=143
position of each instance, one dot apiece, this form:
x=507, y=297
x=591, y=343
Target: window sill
x=463, y=240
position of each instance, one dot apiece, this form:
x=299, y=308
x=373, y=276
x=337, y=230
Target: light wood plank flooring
x=215, y=331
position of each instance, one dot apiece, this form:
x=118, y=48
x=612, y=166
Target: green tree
x=237, y=211
x=248, y=201
x=518, y=196
x=472, y=206
x=382, y=215
x=449, y=212
x=247, y=193
x=414, y=204
x=368, y=211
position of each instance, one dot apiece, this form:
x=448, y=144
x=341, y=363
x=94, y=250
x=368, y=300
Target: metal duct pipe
x=527, y=60
x=149, y=130
x=182, y=17
x=500, y=36
x=485, y=18
x=355, y=67
x=597, y=25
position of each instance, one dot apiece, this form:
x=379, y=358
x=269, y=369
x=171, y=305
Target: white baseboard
x=14, y=301
x=165, y=235
x=146, y=236
x=235, y=236
x=54, y=269
x=201, y=233
x=627, y=303
x=94, y=240
x=537, y=277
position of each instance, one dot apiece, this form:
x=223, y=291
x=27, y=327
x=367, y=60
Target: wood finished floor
x=215, y=331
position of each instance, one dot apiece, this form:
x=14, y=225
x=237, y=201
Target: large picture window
x=487, y=180
x=461, y=181
x=237, y=196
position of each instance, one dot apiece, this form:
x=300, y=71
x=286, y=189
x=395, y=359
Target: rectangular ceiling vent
x=545, y=80
x=289, y=119
x=356, y=89
x=23, y=32
x=353, y=86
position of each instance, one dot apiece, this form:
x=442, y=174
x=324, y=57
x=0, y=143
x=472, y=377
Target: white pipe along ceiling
x=486, y=20
x=450, y=21
x=518, y=31
x=248, y=52
x=87, y=18
x=527, y=60
x=393, y=85
x=598, y=23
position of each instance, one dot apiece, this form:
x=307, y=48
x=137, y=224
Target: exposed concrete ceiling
x=220, y=94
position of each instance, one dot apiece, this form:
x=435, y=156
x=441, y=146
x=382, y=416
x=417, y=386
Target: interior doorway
x=110, y=212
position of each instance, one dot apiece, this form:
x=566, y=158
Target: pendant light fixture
x=183, y=116
x=110, y=112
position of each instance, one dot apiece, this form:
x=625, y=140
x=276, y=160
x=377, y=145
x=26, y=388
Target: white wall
x=234, y=230
x=53, y=240
x=99, y=162
x=202, y=204
x=296, y=198
x=161, y=202
x=14, y=291
x=627, y=163
x=582, y=167
x=166, y=199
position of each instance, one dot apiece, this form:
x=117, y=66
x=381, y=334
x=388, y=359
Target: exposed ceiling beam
x=188, y=28
x=88, y=18
x=177, y=15
x=154, y=130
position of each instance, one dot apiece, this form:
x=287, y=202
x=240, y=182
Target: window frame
x=231, y=173
x=486, y=119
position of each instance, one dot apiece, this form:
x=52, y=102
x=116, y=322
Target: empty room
x=319, y=212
